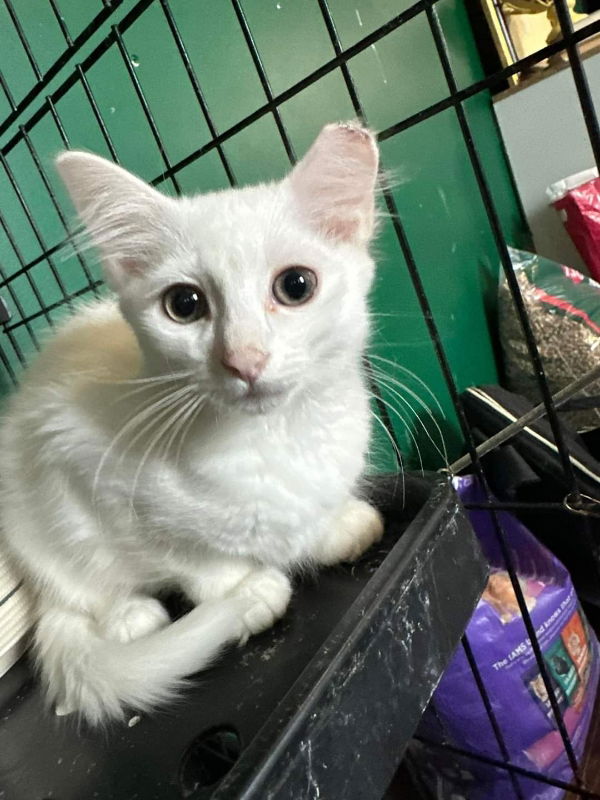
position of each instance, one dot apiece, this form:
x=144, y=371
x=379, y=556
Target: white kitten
x=206, y=430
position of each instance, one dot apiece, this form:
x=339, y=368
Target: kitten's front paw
x=132, y=618
x=268, y=591
x=358, y=527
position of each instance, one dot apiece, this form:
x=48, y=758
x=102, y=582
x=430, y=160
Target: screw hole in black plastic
x=208, y=758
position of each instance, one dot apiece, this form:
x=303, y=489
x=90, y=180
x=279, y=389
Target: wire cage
x=254, y=82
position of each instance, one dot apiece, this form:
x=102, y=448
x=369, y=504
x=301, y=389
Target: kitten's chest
x=262, y=491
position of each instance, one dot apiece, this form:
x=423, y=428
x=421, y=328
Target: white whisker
x=172, y=376
x=389, y=362
x=162, y=409
x=145, y=387
x=397, y=452
x=163, y=428
x=188, y=424
x=138, y=417
x=387, y=383
x=179, y=420
x=406, y=425
x=387, y=380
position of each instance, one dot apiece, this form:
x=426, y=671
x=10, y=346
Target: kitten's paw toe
x=268, y=592
x=63, y=709
x=133, y=618
x=357, y=528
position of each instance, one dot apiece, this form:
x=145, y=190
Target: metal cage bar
x=262, y=76
x=74, y=47
x=144, y=104
x=23, y=39
x=196, y=88
x=19, y=129
x=56, y=205
x=96, y=112
x=586, y=102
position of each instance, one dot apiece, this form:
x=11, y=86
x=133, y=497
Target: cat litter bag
x=509, y=671
x=563, y=307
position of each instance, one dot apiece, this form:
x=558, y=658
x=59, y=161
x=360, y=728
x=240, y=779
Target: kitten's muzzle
x=246, y=363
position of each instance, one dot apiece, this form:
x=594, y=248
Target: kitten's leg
x=113, y=602
x=128, y=618
x=212, y=577
x=117, y=611
x=267, y=589
x=268, y=592
x=116, y=607
x=355, y=528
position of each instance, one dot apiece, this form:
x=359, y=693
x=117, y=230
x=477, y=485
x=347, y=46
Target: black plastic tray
x=321, y=706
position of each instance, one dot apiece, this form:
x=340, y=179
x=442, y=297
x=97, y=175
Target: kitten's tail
x=96, y=677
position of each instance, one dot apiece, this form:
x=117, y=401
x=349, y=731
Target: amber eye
x=294, y=286
x=184, y=303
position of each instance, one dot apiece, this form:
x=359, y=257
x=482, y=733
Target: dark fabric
x=540, y=455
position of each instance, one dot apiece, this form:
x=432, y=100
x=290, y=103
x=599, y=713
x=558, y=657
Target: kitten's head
x=259, y=292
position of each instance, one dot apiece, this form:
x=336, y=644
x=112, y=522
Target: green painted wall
x=434, y=186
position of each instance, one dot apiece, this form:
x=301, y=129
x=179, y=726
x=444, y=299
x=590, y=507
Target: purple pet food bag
x=511, y=675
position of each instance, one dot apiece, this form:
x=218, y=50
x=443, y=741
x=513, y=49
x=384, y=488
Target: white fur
x=119, y=478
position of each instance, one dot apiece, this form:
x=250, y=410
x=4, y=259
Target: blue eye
x=184, y=303
x=294, y=286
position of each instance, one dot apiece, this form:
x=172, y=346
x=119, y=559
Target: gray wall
x=546, y=140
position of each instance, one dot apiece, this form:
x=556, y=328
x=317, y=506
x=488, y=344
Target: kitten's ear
x=125, y=217
x=334, y=184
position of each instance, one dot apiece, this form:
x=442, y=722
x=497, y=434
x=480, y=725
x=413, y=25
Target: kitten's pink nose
x=246, y=363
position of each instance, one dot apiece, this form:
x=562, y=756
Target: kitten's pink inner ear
x=134, y=266
x=334, y=184
x=129, y=220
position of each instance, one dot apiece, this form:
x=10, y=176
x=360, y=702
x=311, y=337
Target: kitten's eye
x=184, y=303
x=294, y=286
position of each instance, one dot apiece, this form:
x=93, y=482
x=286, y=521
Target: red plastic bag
x=577, y=199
